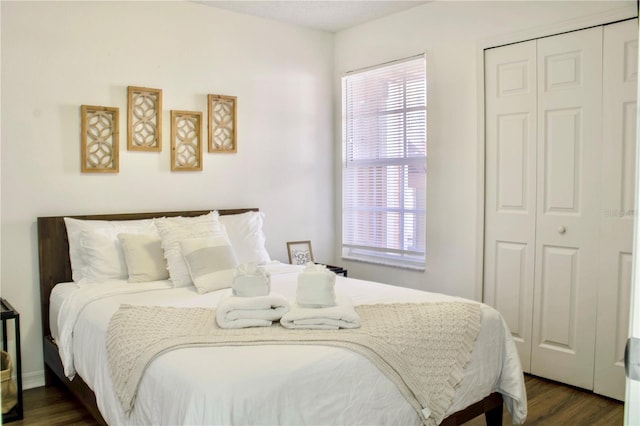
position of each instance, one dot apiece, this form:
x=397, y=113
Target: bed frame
x=55, y=267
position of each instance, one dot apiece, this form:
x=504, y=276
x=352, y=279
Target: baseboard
x=33, y=380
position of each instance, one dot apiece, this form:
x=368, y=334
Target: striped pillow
x=172, y=230
x=210, y=261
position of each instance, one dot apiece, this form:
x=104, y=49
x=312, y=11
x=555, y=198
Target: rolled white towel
x=242, y=312
x=343, y=315
x=316, y=287
x=250, y=280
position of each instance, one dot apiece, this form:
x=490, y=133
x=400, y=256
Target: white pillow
x=109, y=227
x=211, y=262
x=175, y=229
x=246, y=236
x=144, y=257
x=102, y=256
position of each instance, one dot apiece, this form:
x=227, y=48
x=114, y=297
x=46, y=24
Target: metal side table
x=9, y=313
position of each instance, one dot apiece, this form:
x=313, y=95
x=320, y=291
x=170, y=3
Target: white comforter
x=265, y=384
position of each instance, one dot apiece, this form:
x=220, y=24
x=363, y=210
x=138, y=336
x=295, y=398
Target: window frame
x=387, y=255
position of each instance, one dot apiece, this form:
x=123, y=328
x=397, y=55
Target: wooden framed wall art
x=99, y=139
x=222, y=123
x=186, y=141
x=144, y=119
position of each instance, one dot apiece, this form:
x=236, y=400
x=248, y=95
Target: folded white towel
x=250, y=280
x=241, y=312
x=343, y=315
x=316, y=287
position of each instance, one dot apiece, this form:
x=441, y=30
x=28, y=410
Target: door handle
x=562, y=229
x=632, y=358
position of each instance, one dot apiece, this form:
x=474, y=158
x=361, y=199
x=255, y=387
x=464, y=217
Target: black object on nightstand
x=8, y=313
x=335, y=269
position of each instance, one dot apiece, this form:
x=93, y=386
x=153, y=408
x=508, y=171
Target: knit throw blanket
x=422, y=348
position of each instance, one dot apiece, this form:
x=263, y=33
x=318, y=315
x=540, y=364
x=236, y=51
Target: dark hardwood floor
x=52, y=406
x=550, y=403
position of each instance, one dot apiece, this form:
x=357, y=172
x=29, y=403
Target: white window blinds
x=384, y=163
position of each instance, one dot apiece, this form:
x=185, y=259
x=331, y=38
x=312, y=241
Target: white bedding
x=266, y=384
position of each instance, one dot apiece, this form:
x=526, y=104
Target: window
x=384, y=139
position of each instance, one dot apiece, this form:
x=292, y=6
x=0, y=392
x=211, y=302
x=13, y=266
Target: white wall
x=452, y=34
x=57, y=56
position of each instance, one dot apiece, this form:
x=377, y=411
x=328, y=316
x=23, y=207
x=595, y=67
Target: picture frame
x=144, y=119
x=300, y=252
x=99, y=139
x=222, y=123
x=186, y=141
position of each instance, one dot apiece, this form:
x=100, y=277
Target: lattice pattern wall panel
x=222, y=123
x=144, y=119
x=100, y=139
x=186, y=141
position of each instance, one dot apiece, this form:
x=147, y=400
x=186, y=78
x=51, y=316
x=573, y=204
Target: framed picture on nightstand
x=299, y=252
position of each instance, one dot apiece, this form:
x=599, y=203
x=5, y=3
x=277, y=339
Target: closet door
x=568, y=206
x=510, y=205
x=620, y=76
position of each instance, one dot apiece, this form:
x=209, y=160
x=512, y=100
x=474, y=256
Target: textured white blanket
x=422, y=348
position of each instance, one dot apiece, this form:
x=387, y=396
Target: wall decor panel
x=144, y=119
x=186, y=141
x=222, y=123
x=100, y=139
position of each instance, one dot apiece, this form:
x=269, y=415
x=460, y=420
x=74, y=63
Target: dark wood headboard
x=53, y=249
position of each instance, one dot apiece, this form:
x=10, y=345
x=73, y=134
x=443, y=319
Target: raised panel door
x=620, y=76
x=510, y=90
x=567, y=221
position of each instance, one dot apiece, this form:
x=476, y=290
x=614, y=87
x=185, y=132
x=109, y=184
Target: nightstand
x=9, y=313
x=335, y=269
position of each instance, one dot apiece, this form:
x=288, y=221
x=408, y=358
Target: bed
x=261, y=384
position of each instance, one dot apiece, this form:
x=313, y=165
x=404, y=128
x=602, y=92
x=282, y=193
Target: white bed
x=270, y=384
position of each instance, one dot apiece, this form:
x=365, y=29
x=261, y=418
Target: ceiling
x=328, y=15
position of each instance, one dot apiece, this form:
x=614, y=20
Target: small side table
x=336, y=269
x=7, y=312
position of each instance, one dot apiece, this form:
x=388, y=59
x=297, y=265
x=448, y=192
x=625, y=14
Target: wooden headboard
x=53, y=249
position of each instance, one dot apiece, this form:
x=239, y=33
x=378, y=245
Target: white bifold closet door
x=553, y=171
x=510, y=188
x=568, y=206
x=620, y=79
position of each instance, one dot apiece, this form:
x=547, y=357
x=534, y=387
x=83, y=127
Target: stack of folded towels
x=317, y=306
x=250, y=302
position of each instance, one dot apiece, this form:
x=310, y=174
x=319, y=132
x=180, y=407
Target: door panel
x=618, y=204
x=510, y=288
x=511, y=162
x=559, y=285
x=566, y=275
x=629, y=111
x=563, y=70
x=510, y=74
x=562, y=160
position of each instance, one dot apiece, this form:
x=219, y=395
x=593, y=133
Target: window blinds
x=384, y=163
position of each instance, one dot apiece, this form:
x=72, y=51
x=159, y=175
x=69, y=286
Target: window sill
x=381, y=262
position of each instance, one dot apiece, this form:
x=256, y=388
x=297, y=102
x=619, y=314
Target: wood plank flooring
x=550, y=403
x=52, y=406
